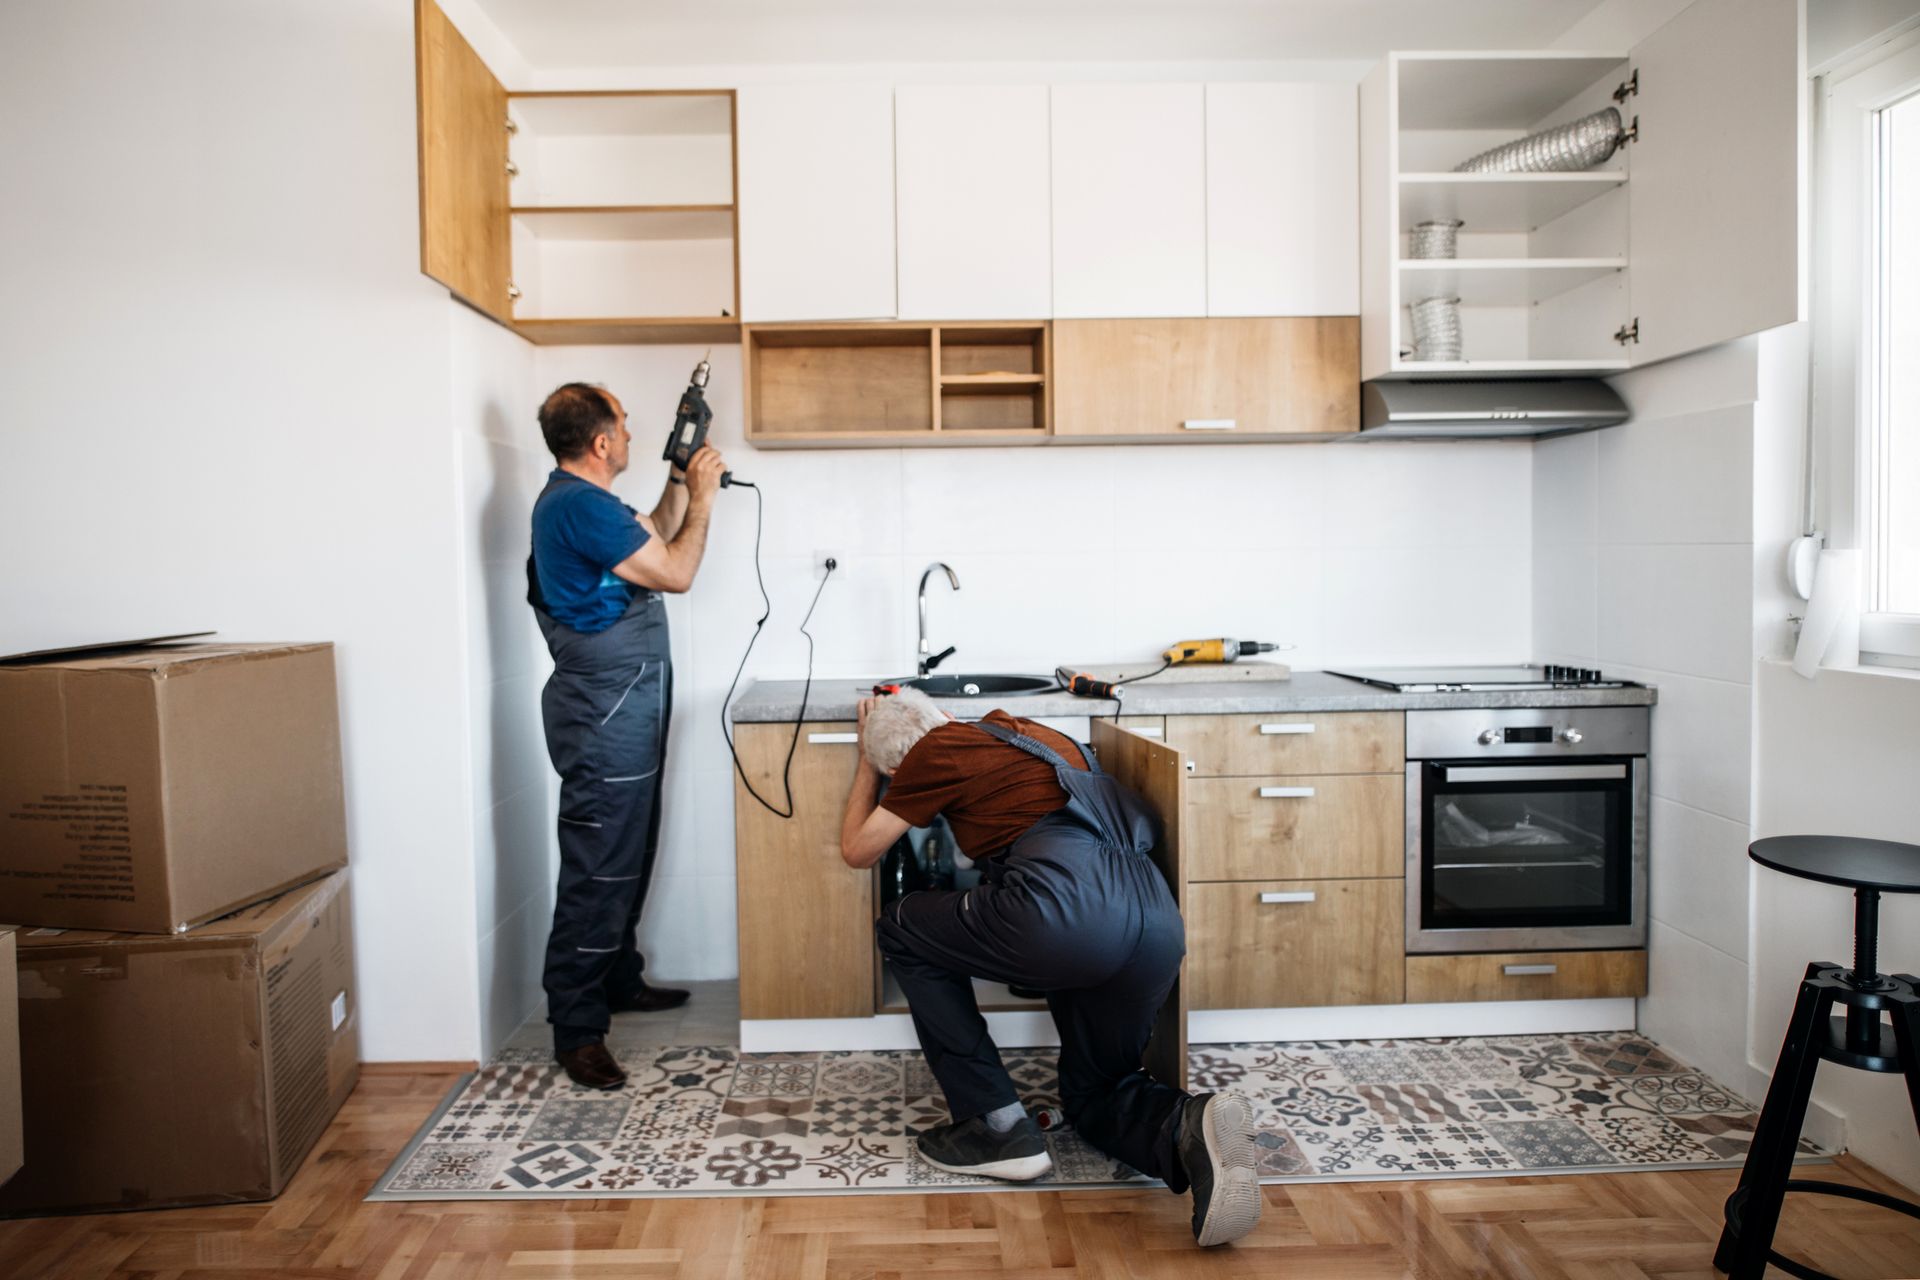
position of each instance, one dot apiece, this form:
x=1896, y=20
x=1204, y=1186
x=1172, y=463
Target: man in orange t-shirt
x=1069, y=904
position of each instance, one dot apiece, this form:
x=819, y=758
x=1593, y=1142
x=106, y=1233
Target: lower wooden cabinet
x=1337, y=826
x=806, y=918
x=1256, y=944
x=1526, y=975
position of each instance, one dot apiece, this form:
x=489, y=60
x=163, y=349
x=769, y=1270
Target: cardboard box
x=10, y=1137
x=194, y=1069
x=153, y=789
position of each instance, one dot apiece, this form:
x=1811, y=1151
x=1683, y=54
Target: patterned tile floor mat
x=715, y=1121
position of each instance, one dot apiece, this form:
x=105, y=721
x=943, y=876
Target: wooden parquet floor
x=1588, y=1227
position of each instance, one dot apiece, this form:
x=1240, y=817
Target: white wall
x=1643, y=566
x=226, y=406
x=1354, y=553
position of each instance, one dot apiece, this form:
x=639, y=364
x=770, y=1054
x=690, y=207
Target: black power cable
x=766, y=611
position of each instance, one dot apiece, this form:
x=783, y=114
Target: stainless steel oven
x=1526, y=829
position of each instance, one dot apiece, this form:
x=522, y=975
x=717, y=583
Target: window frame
x=1847, y=310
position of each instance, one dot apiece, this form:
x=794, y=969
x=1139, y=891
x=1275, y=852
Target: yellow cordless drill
x=1220, y=650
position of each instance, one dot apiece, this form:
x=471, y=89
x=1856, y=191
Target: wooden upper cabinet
x=975, y=213
x=1129, y=200
x=816, y=195
x=464, y=236
x=1206, y=379
x=1283, y=200
x=1715, y=210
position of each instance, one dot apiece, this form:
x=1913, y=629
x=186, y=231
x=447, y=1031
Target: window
x=1867, y=287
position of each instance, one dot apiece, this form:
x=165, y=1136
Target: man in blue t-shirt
x=595, y=580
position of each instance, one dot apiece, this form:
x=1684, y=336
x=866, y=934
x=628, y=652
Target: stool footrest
x=1737, y=1201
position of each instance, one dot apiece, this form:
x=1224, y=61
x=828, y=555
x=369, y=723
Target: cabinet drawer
x=1526, y=975
x=1294, y=827
x=1292, y=743
x=1291, y=943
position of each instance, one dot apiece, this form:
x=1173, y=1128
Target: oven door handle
x=1533, y=773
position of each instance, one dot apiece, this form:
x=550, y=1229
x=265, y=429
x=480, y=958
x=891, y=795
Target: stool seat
x=1857, y=863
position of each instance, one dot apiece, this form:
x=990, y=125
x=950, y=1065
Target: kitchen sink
x=980, y=686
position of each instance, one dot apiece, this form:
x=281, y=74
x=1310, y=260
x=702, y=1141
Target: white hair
x=895, y=723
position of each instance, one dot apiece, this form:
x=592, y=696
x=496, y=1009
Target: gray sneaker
x=972, y=1147
x=1216, y=1149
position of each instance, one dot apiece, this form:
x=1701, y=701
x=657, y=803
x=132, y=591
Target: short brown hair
x=573, y=417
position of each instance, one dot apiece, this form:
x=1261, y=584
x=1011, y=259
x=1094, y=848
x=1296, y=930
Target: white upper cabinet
x=816, y=202
x=1715, y=209
x=971, y=164
x=1283, y=200
x=1129, y=200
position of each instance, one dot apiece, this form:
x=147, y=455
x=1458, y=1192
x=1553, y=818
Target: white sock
x=1001, y=1119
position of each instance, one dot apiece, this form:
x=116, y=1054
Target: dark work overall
x=605, y=710
x=1074, y=908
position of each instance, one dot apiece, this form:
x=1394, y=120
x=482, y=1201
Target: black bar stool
x=1859, y=1040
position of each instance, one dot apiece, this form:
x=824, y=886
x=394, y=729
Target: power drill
x=1221, y=650
x=690, y=423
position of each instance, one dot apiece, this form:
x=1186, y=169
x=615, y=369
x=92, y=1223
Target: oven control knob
x=1571, y=736
x=1489, y=736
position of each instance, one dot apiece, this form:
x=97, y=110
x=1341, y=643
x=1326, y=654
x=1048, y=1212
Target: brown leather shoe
x=648, y=999
x=592, y=1067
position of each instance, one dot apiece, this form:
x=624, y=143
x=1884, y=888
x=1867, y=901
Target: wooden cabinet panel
x=1293, y=742
x=1158, y=773
x=1295, y=943
x=1713, y=193
x=1526, y=975
x=1283, y=200
x=464, y=233
x=806, y=918
x=816, y=201
x=1129, y=200
x=1204, y=379
x=973, y=202
x=1296, y=827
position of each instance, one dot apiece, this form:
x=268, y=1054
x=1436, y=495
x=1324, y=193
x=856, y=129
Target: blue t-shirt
x=580, y=531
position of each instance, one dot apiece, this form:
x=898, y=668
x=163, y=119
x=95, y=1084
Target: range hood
x=1466, y=409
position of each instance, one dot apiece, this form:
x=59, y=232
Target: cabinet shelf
x=1501, y=201
x=1501, y=282
x=628, y=222
x=988, y=384
x=633, y=330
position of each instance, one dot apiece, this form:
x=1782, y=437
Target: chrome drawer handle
x=1286, y=793
x=1305, y=896
x=1529, y=970
x=832, y=738
x=1270, y=729
x=1209, y=424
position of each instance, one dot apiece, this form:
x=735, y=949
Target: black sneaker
x=1216, y=1149
x=972, y=1147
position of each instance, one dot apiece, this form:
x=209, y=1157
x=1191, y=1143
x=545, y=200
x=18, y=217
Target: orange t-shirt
x=990, y=791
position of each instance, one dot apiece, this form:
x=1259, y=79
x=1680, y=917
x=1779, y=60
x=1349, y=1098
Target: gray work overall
x=1074, y=908
x=605, y=710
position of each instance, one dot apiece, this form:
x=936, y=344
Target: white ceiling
x=554, y=34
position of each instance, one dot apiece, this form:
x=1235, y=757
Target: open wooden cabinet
x=576, y=217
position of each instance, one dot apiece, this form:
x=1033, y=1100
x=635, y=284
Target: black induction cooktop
x=1481, y=679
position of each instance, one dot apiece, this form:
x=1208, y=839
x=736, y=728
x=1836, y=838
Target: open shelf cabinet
x=894, y=384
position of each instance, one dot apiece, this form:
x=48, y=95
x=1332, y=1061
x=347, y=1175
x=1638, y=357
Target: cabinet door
x=806, y=918
x=1283, y=200
x=816, y=202
x=1158, y=773
x=1206, y=378
x=464, y=232
x=973, y=202
x=1129, y=200
x=1264, y=944
x=1713, y=191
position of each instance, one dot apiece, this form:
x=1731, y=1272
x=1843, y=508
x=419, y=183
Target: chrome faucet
x=929, y=663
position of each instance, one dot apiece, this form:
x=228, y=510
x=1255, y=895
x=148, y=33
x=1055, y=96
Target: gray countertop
x=837, y=698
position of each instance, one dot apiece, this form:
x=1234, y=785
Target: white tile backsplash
x=1682, y=479
x=1699, y=881
x=1678, y=607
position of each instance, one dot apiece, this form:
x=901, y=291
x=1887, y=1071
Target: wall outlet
x=822, y=559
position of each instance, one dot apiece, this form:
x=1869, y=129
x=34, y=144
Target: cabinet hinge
x=1628, y=333
x=513, y=170
x=1627, y=88
x=513, y=293
x=513, y=127
x=1631, y=133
